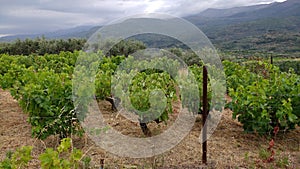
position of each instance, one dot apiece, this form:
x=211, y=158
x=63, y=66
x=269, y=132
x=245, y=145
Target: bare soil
x=229, y=146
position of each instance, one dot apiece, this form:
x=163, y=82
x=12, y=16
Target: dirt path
x=14, y=131
x=228, y=147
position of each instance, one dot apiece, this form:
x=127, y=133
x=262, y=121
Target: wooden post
x=101, y=163
x=204, y=116
x=271, y=59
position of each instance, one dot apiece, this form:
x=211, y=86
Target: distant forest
x=41, y=46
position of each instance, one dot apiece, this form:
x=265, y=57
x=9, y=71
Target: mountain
x=76, y=32
x=284, y=9
x=223, y=17
x=268, y=27
x=272, y=27
x=220, y=13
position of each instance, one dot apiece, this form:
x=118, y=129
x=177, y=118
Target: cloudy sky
x=38, y=16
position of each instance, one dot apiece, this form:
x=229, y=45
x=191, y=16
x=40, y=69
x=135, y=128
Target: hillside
x=274, y=27
x=76, y=32
x=271, y=27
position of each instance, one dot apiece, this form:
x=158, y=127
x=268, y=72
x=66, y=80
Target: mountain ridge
x=216, y=12
x=238, y=28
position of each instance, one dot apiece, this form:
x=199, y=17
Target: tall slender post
x=271, y=59
x=204, y=116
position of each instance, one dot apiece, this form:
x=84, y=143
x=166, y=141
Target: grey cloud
x=188, y=7
x=36, y=16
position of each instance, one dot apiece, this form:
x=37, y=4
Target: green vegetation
x=17, y=159
x=264, y=99
x=264, y=96
x=258, y=36
x=43, y=87
x=64, y=157
x=287, y=65
x=126, y=47
x=41, y=46
x=147, y=80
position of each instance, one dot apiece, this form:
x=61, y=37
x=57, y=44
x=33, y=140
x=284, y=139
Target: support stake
x=271, y=59
x=204, y=117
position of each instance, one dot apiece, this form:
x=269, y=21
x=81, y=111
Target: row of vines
x=263, y=97
x=48, y=87
x=44, y=87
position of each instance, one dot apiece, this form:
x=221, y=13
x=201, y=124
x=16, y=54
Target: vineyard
x=262, y=103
